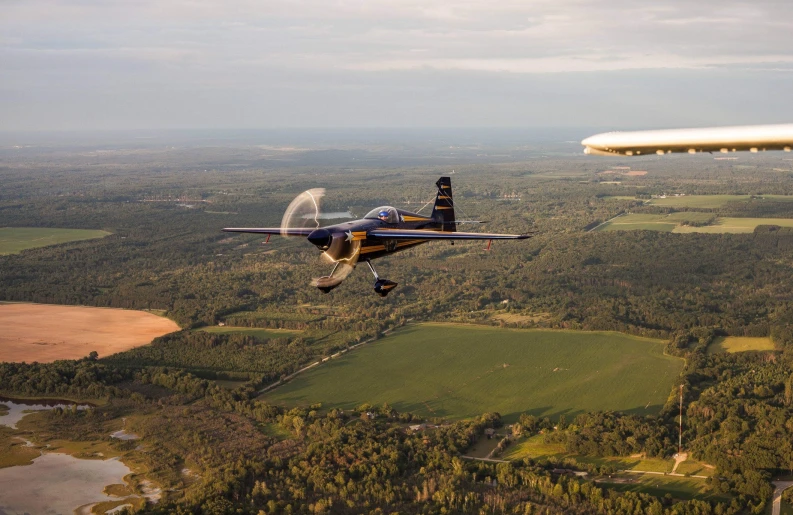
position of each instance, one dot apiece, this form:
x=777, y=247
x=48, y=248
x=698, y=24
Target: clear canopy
x=385, y=213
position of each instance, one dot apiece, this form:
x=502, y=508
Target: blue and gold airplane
x=381, y=232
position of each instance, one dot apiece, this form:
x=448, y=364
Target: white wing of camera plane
x=752, y=138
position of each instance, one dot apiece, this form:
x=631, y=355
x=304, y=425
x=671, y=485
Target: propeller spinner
x=304, y=212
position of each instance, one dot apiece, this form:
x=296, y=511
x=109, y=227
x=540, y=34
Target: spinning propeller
x=339, y=248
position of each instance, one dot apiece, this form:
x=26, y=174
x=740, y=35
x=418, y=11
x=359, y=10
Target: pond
x=58, y=483
x=18, y=408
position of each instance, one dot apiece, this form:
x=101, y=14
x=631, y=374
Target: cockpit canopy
x=385, y=213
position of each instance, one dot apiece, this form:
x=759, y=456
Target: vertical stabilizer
x=443, y=210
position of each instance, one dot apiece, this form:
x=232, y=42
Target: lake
x=58, y=483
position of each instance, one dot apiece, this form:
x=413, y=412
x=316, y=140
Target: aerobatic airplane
x=383, y=231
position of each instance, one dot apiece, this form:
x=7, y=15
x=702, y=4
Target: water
x=18, y=408
x=57, y=484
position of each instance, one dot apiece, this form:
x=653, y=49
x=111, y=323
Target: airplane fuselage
x=373, y=248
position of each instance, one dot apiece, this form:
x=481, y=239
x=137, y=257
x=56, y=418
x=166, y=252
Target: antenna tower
x=680, y=434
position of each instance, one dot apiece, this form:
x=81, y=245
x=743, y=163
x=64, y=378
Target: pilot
x=383, y=215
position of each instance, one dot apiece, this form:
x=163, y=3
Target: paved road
x=780, y=486
x=607, y=221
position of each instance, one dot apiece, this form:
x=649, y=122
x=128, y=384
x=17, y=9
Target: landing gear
x=381, y=286
x=327, y=283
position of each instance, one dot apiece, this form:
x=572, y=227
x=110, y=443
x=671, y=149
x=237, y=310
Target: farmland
x=698, y=201
x=740, y=344
x=676, y=222
x=713, y=201
x=736, y=225
x=16, y=239
x=456, y=371
x=45, y=333
x=654, y=222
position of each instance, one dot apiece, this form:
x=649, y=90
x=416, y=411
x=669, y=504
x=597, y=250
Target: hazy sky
x=113, y=64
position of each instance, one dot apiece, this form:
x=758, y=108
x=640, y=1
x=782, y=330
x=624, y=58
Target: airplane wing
x=418, y=234
x=754, y=138
x=271, y=230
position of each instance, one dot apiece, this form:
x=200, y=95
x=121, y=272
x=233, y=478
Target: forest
x=166, y=252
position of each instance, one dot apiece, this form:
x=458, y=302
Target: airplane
x=754, y=138
x=381, y=232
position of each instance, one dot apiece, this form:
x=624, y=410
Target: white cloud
x=210, y=50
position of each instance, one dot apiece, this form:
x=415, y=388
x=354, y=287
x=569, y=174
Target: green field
x=700, y=201
x=535, y=447
x=737, y=225
x=653, y=222
x=714, y=201
x=673, y=223
x=695, y=468
x=458, y=371
x=14, y=240
x=657, y=485
x=740, y=344
x=259, y=334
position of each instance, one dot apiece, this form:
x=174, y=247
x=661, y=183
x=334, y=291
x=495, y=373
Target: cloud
x=209, y=51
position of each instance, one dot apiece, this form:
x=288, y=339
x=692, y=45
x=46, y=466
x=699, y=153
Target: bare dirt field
x=46, y=332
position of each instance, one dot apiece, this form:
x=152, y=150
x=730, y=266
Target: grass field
x=657, y=485
x=700, y=201
x=653, y=222
x=714, y=201
x=632, y=222
x=459, y=371
x=673, y=223
x=16, y=239
x=694, y=468
x=535, y=447
x=736, y=225
x=259, y=334
x=740, y=344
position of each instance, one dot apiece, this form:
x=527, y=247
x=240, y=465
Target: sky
x=199, y=64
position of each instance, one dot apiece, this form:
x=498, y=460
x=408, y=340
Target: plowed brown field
x=47, y=332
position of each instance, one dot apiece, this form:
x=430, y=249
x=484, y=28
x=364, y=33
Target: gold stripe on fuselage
x=415, y=219
x=376, y=248
x=372, y=248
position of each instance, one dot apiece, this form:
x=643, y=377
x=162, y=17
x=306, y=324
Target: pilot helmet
x=383, y=215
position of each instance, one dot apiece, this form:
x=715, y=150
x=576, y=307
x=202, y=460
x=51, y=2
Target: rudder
x=443, y=210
